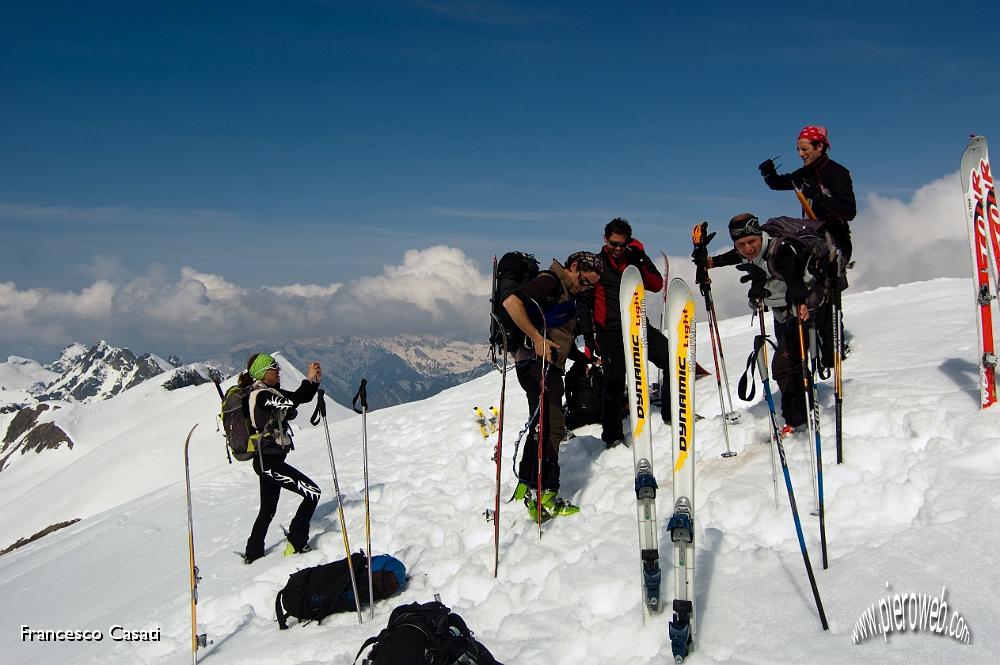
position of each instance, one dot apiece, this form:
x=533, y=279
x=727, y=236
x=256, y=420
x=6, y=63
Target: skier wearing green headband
x=270, y=408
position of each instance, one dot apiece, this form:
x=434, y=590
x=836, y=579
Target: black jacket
x=831, y=190
x=272, y=408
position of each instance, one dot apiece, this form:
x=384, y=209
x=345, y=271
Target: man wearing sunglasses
x=547, y=304
x=620, y=251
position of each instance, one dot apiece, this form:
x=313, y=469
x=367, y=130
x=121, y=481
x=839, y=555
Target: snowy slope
x=123, y=449
x=914, y=506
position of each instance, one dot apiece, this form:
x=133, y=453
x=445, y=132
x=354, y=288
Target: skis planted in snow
x=681, y=336
x=984, y=227
x=197, y=640
x=633, y=316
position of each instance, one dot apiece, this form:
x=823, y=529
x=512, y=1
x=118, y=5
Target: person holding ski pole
x=620, y=251
x=270, y=408
x=827, y=192
x=783, y=291
x=547, y=304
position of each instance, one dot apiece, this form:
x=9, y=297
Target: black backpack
x=513, y=270
x=241, y=437
x=808, y=234
x=319, y=591
x=584, y=395
x=425, y=634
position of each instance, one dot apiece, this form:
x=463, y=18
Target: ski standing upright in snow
x=633, y=316
x=681, y=335
x=984, y=237
x=197, y=640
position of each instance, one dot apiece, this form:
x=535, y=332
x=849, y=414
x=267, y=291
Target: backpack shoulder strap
x=279, y=612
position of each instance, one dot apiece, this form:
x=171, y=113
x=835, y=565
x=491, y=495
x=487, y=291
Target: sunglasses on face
x=619, y=245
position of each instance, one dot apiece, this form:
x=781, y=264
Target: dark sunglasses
x=619, y=245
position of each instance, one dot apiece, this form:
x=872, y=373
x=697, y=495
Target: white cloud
x=897, y=242
x=434, y=290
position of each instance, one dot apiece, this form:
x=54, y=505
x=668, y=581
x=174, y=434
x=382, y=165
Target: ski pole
x=814, y=362
x=775, y=434
x=498, y=450
x=807, y=390
x=320, y=414
x=747, y=391
x=362, y=396
x=542, y=425
x=838, y=357
x=699, y=239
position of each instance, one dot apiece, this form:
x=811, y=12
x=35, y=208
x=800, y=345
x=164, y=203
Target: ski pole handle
x=361, y=395
x=320, y=412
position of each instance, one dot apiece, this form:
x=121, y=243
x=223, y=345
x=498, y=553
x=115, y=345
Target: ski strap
x=320, y=412
x=361, y=395
x=748, y=386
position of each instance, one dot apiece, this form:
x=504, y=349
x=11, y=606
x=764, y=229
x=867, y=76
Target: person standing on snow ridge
x=270, y=409
x=551, y=294
x=829, y=189
x=826, y=185
x=783, y=295
x=620, y=251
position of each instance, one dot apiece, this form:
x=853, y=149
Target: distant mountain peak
x=99, y=372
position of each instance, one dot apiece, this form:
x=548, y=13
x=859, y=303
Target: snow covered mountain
x=399, y=369
x=912, y=510
x=99, y=372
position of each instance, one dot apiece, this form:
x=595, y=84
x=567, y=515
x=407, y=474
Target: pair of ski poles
x=320, y=414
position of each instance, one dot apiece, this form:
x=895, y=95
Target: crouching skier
x=270, y=408
x=545, y=310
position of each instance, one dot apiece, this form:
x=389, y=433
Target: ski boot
x=552, y=506
x=290, y=549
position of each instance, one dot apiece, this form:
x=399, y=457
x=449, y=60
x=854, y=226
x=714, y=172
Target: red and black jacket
x=607, y=314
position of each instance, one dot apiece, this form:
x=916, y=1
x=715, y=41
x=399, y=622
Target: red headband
x=815, y=133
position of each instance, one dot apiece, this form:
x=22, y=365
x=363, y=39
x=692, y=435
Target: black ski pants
x=613, y=363
x=276, y=475
x=787, y=370
x=552, y=428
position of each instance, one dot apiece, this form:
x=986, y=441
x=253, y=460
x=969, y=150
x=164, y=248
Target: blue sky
x=277, y=143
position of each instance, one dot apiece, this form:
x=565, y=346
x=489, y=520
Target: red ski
x=981, y=215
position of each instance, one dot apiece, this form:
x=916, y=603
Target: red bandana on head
x=815, y=133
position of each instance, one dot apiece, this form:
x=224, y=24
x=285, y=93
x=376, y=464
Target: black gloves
x=757, y=278
x=701, y=238
x=635, y=254
x=795, y=293
x=767, y=168
x=700, y=255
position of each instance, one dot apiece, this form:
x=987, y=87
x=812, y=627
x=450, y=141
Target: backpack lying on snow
x=425, y=634
x=319, y=591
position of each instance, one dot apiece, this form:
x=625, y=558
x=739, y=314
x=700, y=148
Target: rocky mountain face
x=99, y=372
x=398, y=369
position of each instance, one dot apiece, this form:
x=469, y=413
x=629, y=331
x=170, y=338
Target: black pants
x=613, y=362
x=787, y=370
x=552, y=428
x=275, y=476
